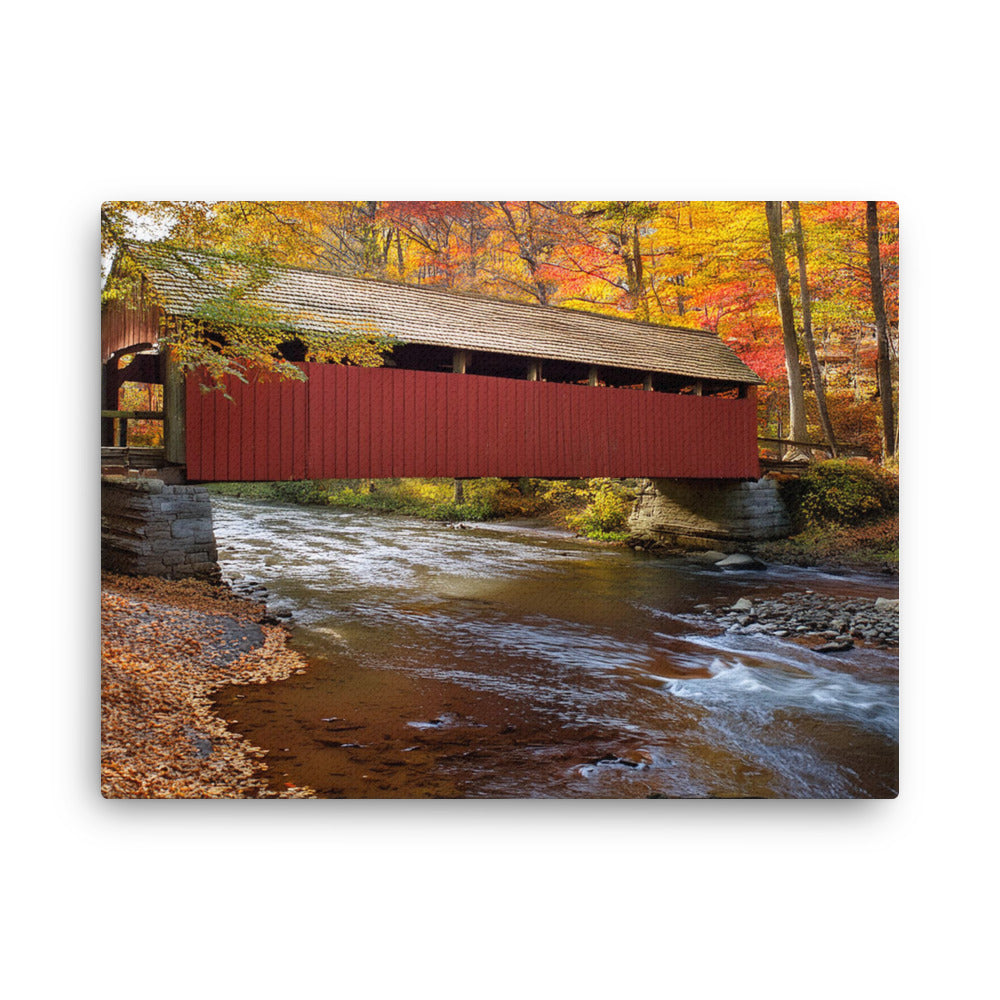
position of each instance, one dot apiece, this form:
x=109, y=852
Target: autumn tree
x=527, y=240
x=881, y=331
x=620, y=225
x=440, y=242
x=807, y=331
x=796, y=398
x=349, y=237
x=234, y=327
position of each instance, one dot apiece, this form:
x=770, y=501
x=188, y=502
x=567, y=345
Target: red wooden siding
x=128, y=323
x=361, y=423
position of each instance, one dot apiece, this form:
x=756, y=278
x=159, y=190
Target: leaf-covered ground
x=165, y=647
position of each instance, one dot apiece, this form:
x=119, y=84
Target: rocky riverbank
x=166, y=646
x=827, y=624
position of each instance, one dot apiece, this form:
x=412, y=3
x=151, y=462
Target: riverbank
x=166, y=646
x=865, y=548
x=870, y=549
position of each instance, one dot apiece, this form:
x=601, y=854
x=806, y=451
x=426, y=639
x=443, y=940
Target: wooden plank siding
x=373, y=423
x=126, y=323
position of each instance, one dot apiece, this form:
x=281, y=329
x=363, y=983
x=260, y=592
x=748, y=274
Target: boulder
x=743, y=605
x=740, y=560
x=835, y=647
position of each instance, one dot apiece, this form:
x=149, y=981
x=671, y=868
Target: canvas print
x=499, y=499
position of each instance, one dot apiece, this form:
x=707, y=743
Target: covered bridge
x=470, y=387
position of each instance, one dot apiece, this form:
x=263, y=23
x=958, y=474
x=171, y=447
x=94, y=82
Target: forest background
x=829, y=358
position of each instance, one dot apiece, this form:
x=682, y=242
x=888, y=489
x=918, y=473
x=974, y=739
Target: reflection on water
x=504, y=661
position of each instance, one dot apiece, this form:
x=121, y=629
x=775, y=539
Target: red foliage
x=766, y=359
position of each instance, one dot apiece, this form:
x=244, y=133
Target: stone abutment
x=701, y=512
x=150, y=528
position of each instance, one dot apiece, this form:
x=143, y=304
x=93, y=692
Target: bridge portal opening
x=132, y=400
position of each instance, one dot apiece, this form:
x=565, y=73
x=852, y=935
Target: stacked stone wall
x=150, y=528
x=697, y=511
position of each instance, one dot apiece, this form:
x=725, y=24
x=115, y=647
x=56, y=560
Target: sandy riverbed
x=165, y=647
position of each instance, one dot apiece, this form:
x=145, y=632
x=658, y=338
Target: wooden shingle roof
x=324, y=301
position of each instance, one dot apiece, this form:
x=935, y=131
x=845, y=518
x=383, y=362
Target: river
x=508, y=661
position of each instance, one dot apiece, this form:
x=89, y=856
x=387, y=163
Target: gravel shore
x=165, y=647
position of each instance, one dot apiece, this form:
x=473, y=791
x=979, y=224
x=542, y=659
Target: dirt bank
x=165, y=647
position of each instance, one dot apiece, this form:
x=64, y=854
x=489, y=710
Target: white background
x=551, y=899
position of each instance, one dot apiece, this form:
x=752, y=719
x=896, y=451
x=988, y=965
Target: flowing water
x=506, y=661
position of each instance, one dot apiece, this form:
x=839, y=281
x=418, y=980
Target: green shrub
x=605, y=517
x=497, y=498
x=840, y=492
x=305, y=491
x=250, y=491
x=571, y=494
x=300, y=491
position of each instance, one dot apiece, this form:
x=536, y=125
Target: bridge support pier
x=150, y=528
x=704, y=512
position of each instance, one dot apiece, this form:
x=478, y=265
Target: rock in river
x=740, y=560
x=835, y=647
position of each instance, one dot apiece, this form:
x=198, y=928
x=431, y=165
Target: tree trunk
x=639, y=289
x=881, y=333
x=807, y=330
x=796, y=397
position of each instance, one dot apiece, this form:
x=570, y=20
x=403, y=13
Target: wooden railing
x=139, y=457
x=813, y=450
x=124, y=416
x=131, y=414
